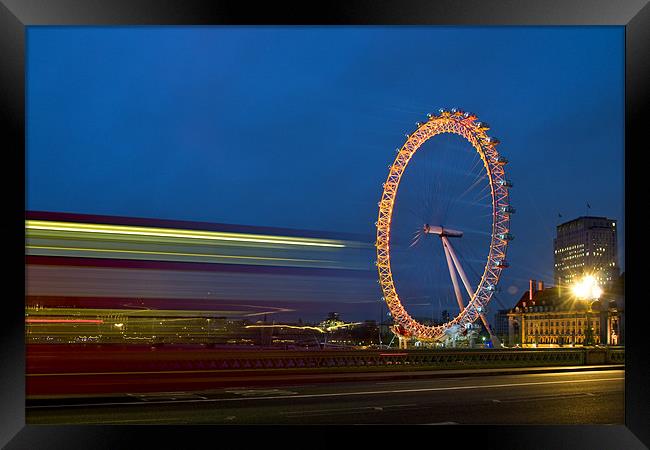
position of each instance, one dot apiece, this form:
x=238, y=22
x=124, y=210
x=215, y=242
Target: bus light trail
x=177, y=233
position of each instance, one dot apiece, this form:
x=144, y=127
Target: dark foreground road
x=581, y=397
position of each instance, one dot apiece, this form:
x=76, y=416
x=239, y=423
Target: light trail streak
x=179, y=233
x=306, y=327
x=146, y=252
x=320, y=330
x=63, y=321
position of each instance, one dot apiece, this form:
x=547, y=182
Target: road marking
x=543, y=397
x=357, y=409
x=167, y=395
x=174, y=420
x=342, y=394
x=252, y=392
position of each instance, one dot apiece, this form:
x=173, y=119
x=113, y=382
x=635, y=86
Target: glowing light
x=321, y=329
x=63, y=321
x=587, y=288
x=341, y=325
x=177, y=233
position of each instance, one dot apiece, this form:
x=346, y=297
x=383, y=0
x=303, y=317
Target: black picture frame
x=16, y=15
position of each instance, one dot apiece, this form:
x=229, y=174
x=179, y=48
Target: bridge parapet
x=163, y=359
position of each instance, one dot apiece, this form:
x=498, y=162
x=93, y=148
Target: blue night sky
x=295, y=127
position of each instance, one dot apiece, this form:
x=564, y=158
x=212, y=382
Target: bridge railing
x=163, y=359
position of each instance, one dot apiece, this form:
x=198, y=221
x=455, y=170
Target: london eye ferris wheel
x=454, y=196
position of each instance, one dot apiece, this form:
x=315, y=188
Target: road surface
x=575, y=397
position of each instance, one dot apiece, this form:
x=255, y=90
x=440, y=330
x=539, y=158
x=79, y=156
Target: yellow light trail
x=102, y=250
x=170, y=232
x=305, y=327
x=320, y=330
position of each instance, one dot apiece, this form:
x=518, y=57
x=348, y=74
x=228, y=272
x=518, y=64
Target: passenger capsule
x=508, y=209
x=502, y=160
x=469, y=116
x=506, y=183
x=501, y=264
x=482, y=126
x=505, y=236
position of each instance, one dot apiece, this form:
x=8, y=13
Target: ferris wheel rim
x=467, y=126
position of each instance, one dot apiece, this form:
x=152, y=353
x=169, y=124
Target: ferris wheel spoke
x=416, y=239
x=485, y=188
x=473, y=185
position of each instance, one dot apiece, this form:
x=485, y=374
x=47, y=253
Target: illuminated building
x=586, y=245
x=553, y=318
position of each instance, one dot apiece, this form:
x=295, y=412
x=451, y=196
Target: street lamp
x=587, y=289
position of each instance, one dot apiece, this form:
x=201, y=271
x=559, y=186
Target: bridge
x=144, y=368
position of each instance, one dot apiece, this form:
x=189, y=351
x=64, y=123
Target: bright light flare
x=587, y=288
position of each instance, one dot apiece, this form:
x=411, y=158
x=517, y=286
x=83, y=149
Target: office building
x=586, y=245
